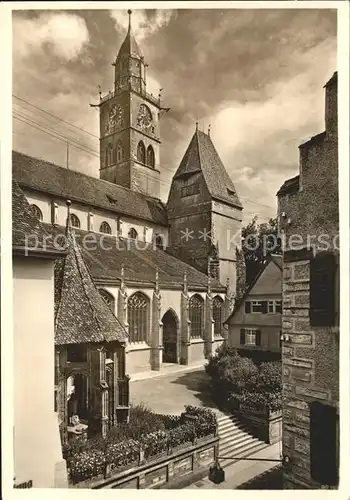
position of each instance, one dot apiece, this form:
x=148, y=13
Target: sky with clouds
x=256, y=76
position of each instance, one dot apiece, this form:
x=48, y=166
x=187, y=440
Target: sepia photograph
x=177, y=265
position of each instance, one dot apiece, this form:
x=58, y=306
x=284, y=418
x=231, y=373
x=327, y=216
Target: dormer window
x=230, y=192
x=132, y=234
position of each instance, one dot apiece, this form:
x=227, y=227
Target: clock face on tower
x=144, y=118
x=115, y=117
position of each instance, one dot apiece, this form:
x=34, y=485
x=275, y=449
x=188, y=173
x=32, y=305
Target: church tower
x=129, y=125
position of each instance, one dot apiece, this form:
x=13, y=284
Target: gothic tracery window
x=217, y=314
x=150, y=157
x=141, y=152
x=36, y=212
x=105, y=228
x=138, y=317
x=196, y=316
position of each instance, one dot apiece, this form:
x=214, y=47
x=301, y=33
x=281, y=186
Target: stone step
x=235, y=442
x=233, y=433
x=242, y=452
x=231, y=425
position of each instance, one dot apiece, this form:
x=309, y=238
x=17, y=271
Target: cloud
x=65, y=34
x=144, y=23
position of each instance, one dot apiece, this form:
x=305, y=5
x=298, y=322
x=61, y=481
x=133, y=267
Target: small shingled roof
x=28, y=233
x=81, y=314
x=201, y=155
x=64, y=183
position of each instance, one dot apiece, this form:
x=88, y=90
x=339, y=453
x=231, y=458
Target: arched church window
x=105, y=228
x=196, y=316
x=36, y=212
x=141, y=152
x=138, y=317
x=109, y=155
x=132, y=234
x=108, y=298
x=150, y=157
x=217, y=314
x=119, y=152
x=74, y=220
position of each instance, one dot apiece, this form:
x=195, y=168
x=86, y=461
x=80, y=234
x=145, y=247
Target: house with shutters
x=254, y=326
x=308, y=208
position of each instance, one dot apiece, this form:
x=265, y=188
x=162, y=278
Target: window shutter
x=322, y=289
x=258, y=337
x=323, y=443
x=242, y=336
x=264, y=307
x=247, y=307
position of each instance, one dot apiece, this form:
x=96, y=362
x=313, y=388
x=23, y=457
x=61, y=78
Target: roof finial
x=129, y=13
x=185, y=283
x=209, y=276
x=157, y=282
x=122, y=281
x=209, y=129
x=196, y=126
x=68, y=221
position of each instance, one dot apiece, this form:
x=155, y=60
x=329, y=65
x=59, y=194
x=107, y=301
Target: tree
x=258, y=242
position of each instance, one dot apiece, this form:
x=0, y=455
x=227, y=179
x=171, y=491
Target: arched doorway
x=170, y=328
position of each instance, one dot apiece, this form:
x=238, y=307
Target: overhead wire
x=85, y=148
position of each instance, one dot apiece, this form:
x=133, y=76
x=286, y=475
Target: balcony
x=154, y=100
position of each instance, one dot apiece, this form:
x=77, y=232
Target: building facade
x=254, y=326
x=309, y=224
x=38, y=458
x=168, y=292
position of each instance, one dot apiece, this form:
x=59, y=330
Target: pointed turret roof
x=81, y=314
x=130, y=47
x=201, y=156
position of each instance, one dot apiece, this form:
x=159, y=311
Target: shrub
x=260, y=401
x=236, y=380
x=87, y=464
x=270, y=376
x=142, y=421
x=154, y=443
x=123, y=453
x=182, y=434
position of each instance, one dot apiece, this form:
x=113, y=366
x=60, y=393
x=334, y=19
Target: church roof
x=106, y=255
x=49, y=178
x=201, y=156
x=81, y=314
x=130, y=47
x=28, y=233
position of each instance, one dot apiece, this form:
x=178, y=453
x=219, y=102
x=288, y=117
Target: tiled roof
x=81, y=314
x=201, y=155
x=333, y=79
x=28, y=233
x=289, y=186
x=49, y=178
x=129, y=46
x=105, y=256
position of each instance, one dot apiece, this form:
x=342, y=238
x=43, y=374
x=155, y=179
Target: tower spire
x=129, y=14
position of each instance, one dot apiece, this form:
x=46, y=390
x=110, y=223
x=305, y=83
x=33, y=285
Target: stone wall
x=309, y=223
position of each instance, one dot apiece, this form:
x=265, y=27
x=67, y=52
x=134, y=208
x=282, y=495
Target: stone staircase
x=236, y=439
